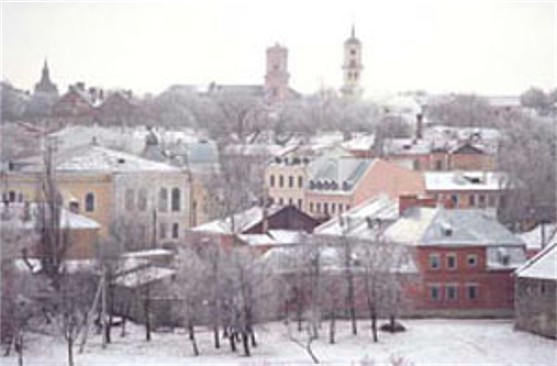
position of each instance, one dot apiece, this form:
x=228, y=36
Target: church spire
x=353, y=33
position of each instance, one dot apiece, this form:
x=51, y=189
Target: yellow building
x=120, y=191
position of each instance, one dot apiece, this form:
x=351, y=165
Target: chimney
x=407, y=201
x=419, y=126
x=80, y=85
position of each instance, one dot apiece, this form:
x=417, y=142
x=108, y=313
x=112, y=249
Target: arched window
x=163, y=200
x=175, y=199
x=89, y=202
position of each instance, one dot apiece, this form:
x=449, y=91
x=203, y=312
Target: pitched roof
x=243, y=221
x=364, y=221
x=337, y=174
x=440, y=226
x=99, y=159
x=543, y=265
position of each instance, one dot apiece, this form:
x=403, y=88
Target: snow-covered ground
x=426, y=342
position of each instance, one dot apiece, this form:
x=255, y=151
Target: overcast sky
x=496, y=48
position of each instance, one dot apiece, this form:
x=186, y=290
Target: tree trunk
x=232, y=339
x=147, y=315
x=70, y=351
x=245, y=342
x=374, y=324
x=216, y=336
x=191, y=331
x=392, y=322
x=252, y=337
x=332, y=328
x=19, y=349
x=123, y=332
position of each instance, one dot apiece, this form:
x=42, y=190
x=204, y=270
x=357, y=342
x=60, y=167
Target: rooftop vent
x=121, y=160
x=446, y=229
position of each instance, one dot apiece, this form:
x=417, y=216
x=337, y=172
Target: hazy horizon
x=491, y=48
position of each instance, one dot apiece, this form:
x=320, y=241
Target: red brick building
x=465, y=260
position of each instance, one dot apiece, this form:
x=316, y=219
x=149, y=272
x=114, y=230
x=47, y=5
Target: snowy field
x=426, y=342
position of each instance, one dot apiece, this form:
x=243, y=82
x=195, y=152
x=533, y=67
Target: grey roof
x=329, y=173
x=440, y=226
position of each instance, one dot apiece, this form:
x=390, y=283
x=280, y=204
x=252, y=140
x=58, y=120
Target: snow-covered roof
x=25, y=215
x=147, y=253
x=257, y=150
x=273, y=238
x=68, y=265
x=440, y=226
x=361, y=142
x=536, y=239
x=143, y=276
x=337, y=174
x=94, y=158
x=465, y=181
x=242, y=221
x=543, y=265
x=364, y=221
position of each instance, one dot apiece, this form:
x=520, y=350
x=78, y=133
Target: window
x=451, y=261
x=290, y=181
x=416, y=165
x=300, y=203
x=347, y=207
x=451, y=292
x=163, y=199
x=438, y=165
x=129, y=199
x=352, y=52
x=332, y=208
x=175, y=199
x=472, y=291
x=472, y=260
x=434, y=292
x=311, y=207
x=12, y=196
x=326, y=208
x=472, y=200
x=142, y=199
x=89, y=202
x=434, y=261
x=340, y=208
x=481, y=200
x=175, y=231
x=272, y=180
x=162, y=230
x=290, y=202
x=281, y=181
x=318, y=207
x=280, y=201
x=20, y=197
x=454, y=199
x=300, y=181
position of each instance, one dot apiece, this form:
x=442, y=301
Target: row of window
x=290, y=201
x=452, y=291
x=140, y=202
x=327, y=208
x=291, y=181
x=474, y=200
x=12, y=196
x=451, y=261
